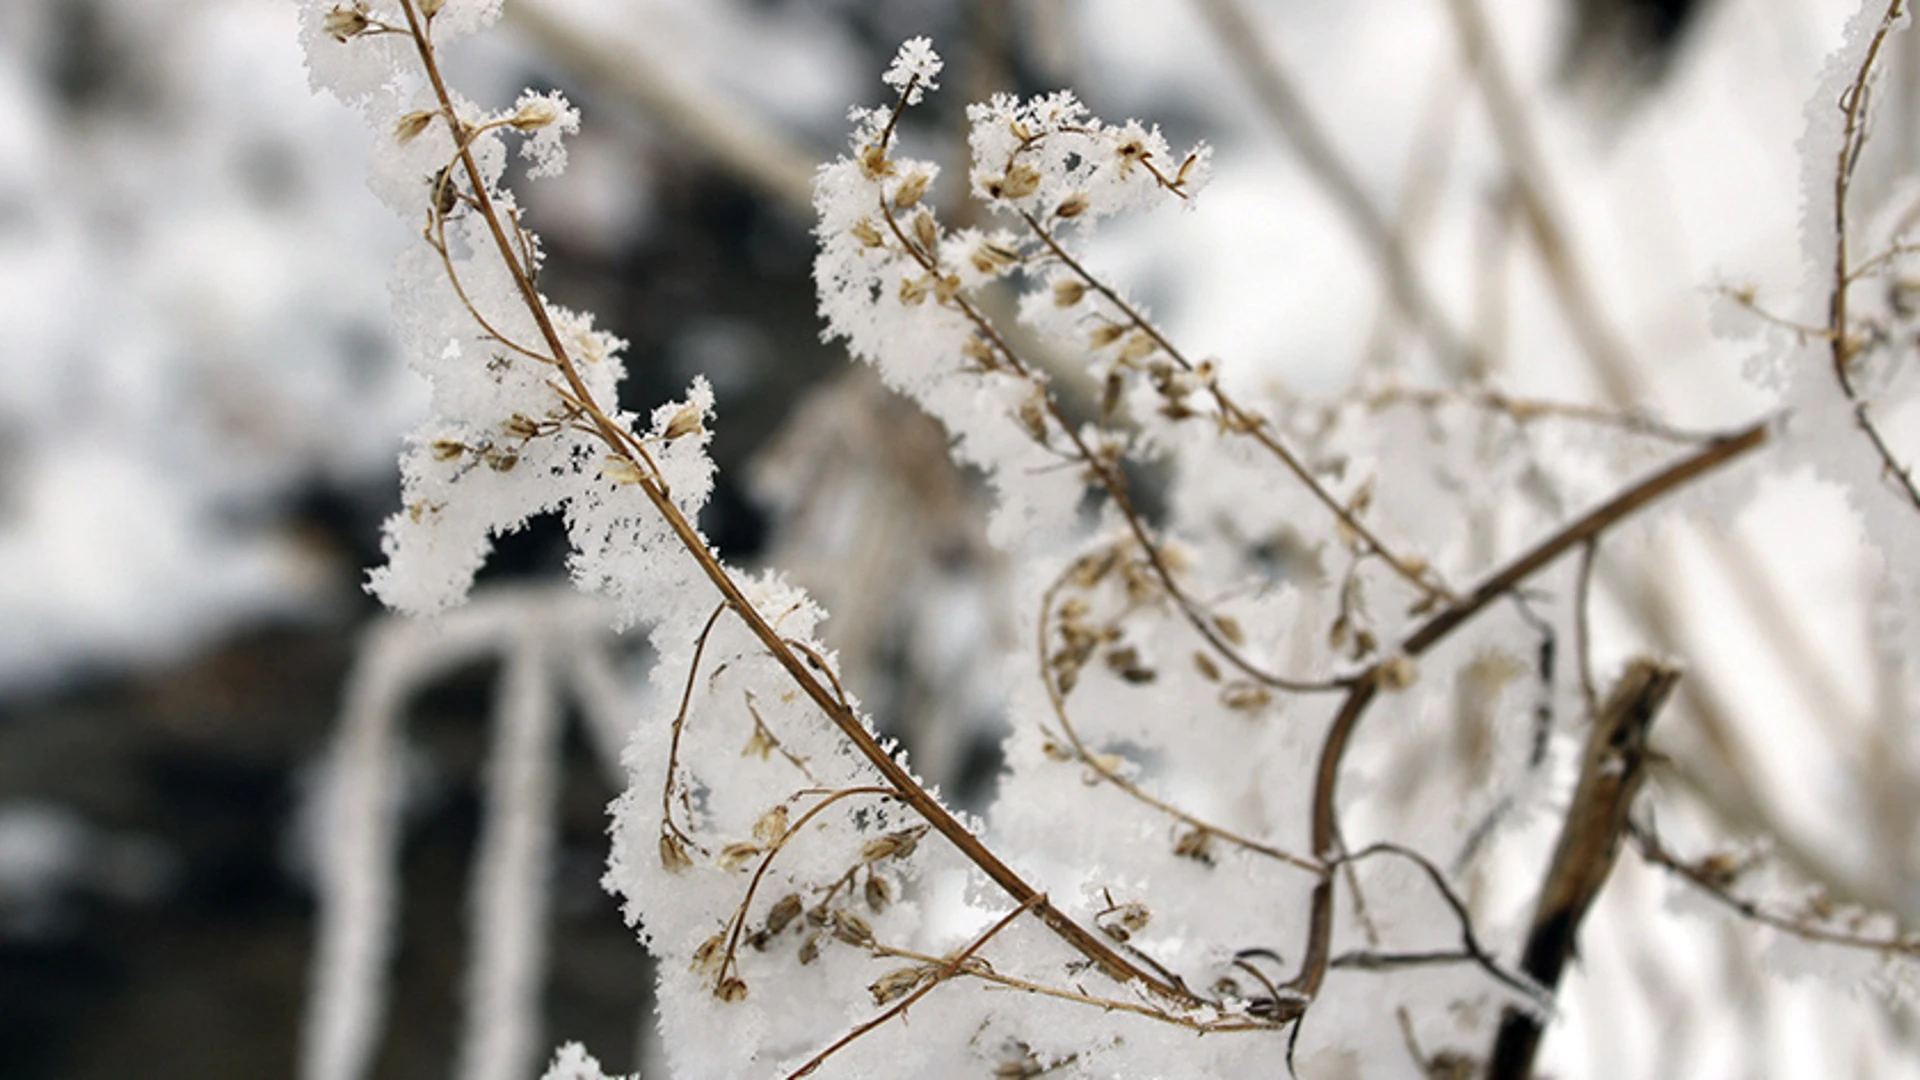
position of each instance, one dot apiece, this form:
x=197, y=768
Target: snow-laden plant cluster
x=1229, y=841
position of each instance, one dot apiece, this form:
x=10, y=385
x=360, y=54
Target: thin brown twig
x=947, y=969
x=1419, y=574
x=1843, y=346
x=1340, y=732
x=1107, y=773
x=1699, y=875
x=1109, y=477
x=923, y=802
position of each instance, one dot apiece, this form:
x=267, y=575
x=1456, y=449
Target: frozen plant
x=1193, y=868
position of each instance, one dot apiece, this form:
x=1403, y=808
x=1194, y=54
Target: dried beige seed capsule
x=408, y=128
x=783, y=912
x=865, y=232
x=345, y=21
x=1072, y=206
x=673, y=854
x=736, y=855
x=687, y=421
x=910, y=190
x=898, y=983
x=707, y=958
x=1067, y=292
x=879, y=892
x=851, y=928
x=771, y=826
x=1398, y=672
x=731, y=989
x=1019, y=182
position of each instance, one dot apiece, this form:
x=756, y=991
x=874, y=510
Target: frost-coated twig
x=1333, y=750
x=358, y=853
x=625, y=446
x=1845, y=348
x=512, y=868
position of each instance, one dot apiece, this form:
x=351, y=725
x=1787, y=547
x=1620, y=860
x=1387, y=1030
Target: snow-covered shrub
x=1274, y=733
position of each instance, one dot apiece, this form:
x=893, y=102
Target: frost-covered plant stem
x=626, y=446
x=1844, y=346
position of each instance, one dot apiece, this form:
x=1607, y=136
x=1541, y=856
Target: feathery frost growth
x=1219, y=848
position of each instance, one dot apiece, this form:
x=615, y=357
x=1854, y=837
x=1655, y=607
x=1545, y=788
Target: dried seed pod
x=894, y=845
x=879, y=892
x=874, y=161
x=910, y=190
x=1397, y=672
x=673, y=854
x=898, y=983
x=1068, y=291
x=864, y=231
x=708, y=957
x=1245, y=697
x=771, y=826
x=913, y=289
x=852, y=929
x=686, y=421
x=736, y=855
x=810, y=948
x=1072, y=206
x=1195, y=844
x=345, y=21
x=1019, y=182
x=731, y=989
x=783, y=912
x=1206, y=667
x=409, y=127
x=445, y=449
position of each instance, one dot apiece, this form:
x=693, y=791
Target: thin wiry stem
x=1110, y=478
x=623, y=444
x=1844, y=348
x=1107, y=773
x=1418, y=574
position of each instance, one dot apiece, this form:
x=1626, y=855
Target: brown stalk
x=1843, y=347
x=620, y=443
x=1611, y=772
x=1326, y=831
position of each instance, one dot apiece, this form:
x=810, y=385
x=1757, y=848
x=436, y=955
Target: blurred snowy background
x=199, y=413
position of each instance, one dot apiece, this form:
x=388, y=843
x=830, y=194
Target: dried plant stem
x=1841, y=342
x=1418, y=574
x=944, y=969
x=1110, y=478
x=1647, y=842
x=624, y=445
x=1611, y=773
x=1325, y=821
x=1512, y=128
x=1093, y=761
